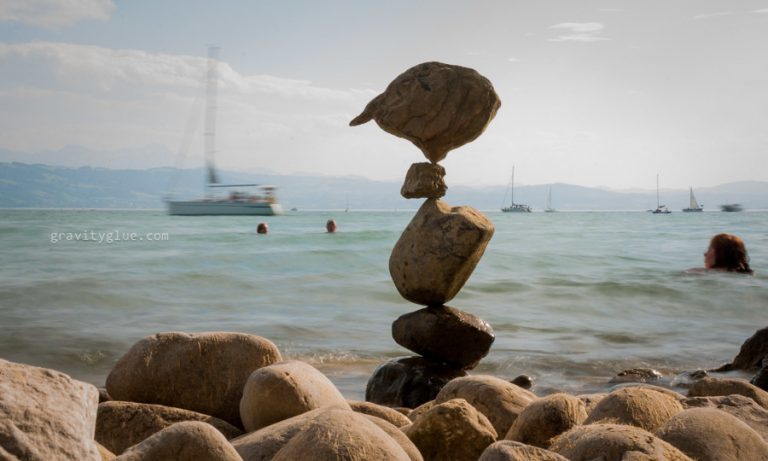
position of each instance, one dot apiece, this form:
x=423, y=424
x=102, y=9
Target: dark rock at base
x=761, y=377
x=524, y=381
x=751, y=353
x=637, y=375
x=408, y=381
x=444, y=334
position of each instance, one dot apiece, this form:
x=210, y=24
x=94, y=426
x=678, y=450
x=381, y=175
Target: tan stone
x=421, y=409
x=451, y=431
x=200, y=372
x=709, y=434
x=706, y=387
x=438, y=251
x=436, y=106
x=591, y=400
x=508, y=450
x=499, y=400
x=744, y=408
x=283, y=390
x=386, y=413
x=120, y=425
x=545, y=418
x=266, y=442
x=105, y=454
x=398, y=436
x=635, y=406
x=185, y=441
x=46, y=415
x=424, y=180
x=614, y=442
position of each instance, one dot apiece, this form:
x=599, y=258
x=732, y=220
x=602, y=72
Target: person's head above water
x=330, y=226
x=262, y=228
x=727, y=252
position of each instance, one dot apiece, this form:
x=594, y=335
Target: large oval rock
x=388, y=414
x=398, y=436
x=266, y=442
x=507, y=450
x=283, y=390
x=744, y=408
x=202, y=372
x=438, y=251
x=46, y=415
x=614, y=442
x=444, y=334
x=436, y=106
x=726, y=386
x=186, y=441
x=636, y=406
x=499, y=400
x=545, y=418
x=708, y=434
x=120, y=425
x=408, y=381
x=451, y=431
x=424, y=180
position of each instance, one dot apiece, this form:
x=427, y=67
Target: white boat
x=660, y=209
x=694, y=206
x=548, y=208
x=514, y=207
x=238, y=199
x=732, y=207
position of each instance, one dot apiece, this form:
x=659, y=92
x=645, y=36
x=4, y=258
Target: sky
x=595, y=93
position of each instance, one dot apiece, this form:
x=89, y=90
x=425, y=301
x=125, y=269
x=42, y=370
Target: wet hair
x=262, y=228
x=730, y=253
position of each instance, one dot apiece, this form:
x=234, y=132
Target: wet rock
x=436, y=106
x=438, y=251
x=723, y=386
x=408, y=381
x=499, y=400
x=761, y=377
x=524, y=381
x=614, y=442
x=546, y=418
x=508, y=450
x=424, y=180
x=708, y=434
x=283, y=390
x=635, y=406
x=186, y=441
x=451, y=431
x=120, y=425
x=444, y=334
x=686, y=378
x=46, y=415
x=744, y=408
x=751, y=353
x=388, y=414
x=202, y=372
x=637, y=375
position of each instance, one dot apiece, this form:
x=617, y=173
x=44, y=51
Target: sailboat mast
x=512, y=183
x=210, y=113
x=657, y=190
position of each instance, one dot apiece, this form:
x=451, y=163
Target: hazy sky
x=595, y=93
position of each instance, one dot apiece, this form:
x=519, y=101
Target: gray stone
x=424, y=180
x=408, y=381
x=637, y=375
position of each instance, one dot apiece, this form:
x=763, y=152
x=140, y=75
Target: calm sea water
x=573, y=297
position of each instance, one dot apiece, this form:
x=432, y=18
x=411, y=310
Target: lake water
x=573, y=297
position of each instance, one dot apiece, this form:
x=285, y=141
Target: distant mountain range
x=42, y=186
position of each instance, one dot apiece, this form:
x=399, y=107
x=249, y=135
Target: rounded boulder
x=635, y=406
x=545, y=418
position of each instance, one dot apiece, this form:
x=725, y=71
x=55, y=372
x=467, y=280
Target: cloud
x=580, y=32
x=513, y=60
x=54, y=14
x=712, y=15
x=763, y=10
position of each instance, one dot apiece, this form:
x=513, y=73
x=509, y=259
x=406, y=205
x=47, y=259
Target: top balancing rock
x=436, y=106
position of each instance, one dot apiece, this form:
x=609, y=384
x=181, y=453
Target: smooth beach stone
x=380, y=411
x=202, y=372
x=283, y=390
x=591, y=400
x=508, y=450
x=436, y=106
x=707, y=387
x=424, y=180
x=120, y=425
x=438, y=251
x=546, y=418
x=444, y=334
x=266, y=442
x=635, y=406
x=408, y=381
x=709, y=434
x=750, y=354
x=637, y=375
x=418, y=411
x=398, y=436
x=744, y=408
x=524, y=381
x=185, y=441
x=451, y=431
x=614, y=442
x=46, y=415
x=499, y=400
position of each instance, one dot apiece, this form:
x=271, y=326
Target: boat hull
x=222, y=208
x=692, y=210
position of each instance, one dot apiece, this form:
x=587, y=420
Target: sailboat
x=255, y=200
x=660, y=209
x=515, y=207
x=548, y=208
x=694, y=205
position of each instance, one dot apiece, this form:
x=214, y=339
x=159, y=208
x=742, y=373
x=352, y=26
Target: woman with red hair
x=727, y=252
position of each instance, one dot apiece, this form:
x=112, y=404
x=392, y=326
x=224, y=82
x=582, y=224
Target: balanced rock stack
x=438, y=107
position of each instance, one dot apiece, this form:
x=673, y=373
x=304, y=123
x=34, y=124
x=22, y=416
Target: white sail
x=694, y=203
